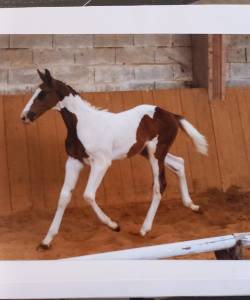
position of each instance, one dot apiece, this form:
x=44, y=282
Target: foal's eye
x=41, y=95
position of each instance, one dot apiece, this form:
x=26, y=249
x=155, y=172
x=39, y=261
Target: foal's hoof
x=143, y=232
x=42, y=247
x=195, y=208
x=199, y=211
x=117, y=229
x=114, y=226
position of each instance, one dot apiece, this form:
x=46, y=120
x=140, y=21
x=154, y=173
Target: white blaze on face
x=30, y=102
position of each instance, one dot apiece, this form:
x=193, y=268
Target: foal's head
x=47, y=96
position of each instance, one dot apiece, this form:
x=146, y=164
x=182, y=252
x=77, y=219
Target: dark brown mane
x=74, y=92
x=63, y=90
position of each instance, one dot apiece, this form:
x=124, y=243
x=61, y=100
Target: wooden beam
x=216, y=65
x=200, y=60
x=209, y=64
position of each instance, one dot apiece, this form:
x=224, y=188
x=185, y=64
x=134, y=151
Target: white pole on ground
x=174, y=249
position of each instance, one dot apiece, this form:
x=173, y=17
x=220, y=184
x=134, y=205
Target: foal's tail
x=198, y=139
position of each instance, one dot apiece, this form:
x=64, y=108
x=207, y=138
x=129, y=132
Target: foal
x=97, y=137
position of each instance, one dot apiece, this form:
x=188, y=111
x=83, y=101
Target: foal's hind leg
x=72, y=171
x=159, y=185
x=176, y=164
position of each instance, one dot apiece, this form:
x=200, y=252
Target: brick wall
x=238, y=60
x=96, y=62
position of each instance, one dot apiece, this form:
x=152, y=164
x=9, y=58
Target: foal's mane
x=74, y=92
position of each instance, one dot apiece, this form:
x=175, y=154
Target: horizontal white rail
x=174, y=249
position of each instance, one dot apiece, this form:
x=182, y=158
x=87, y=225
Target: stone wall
x=238, y=60
x=111, y=62
x=96, y=62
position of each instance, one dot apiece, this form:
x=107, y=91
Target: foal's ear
x=46, y=77
x=41, y=75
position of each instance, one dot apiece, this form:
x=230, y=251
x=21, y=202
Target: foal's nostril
x=23, y=118
x=31, y=115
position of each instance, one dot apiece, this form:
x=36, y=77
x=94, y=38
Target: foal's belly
x=121, y=152
x=123, y=142
x=125, y=128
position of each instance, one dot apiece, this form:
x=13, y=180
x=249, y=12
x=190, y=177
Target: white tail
x=198, y=139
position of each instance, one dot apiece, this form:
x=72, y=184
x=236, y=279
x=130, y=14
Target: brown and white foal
x=97, y=137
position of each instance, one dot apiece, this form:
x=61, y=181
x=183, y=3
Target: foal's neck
x=72, y=108
x=74, y=147
x=75, y=104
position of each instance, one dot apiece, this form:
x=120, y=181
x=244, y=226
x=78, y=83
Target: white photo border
x=57, y=279
x=183, y=19
x=106, y=279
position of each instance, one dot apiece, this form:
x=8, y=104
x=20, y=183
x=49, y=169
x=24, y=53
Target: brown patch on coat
x=73, y=145
x=146, y=131
x=163, y=125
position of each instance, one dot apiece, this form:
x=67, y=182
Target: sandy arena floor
x=81, y=233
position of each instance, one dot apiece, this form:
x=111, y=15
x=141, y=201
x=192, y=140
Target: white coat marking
x=72, y=171
x=30, y=102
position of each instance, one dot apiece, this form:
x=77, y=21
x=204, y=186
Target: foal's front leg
x=97, y=172
x=72, y=171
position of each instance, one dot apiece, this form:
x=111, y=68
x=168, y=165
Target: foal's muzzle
x=28, y=117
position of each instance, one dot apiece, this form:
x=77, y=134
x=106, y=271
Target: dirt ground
x=81, y=233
